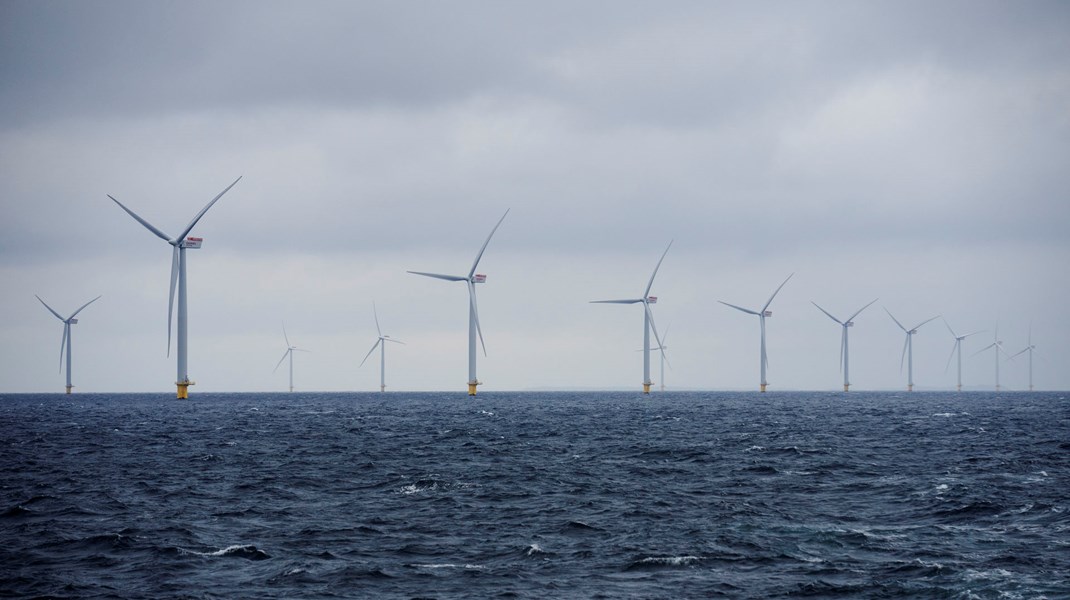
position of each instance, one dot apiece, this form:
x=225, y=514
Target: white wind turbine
x=762, y=314
x=844, y=359
x=908, y=348
x=381, y=344
x=289, y=353
x=473, y=312
x=178, y=274
x=998, y=345
x=957, y=349
x=662, y=347
x=71, y=320
x=1030, y=349
x=648, y=321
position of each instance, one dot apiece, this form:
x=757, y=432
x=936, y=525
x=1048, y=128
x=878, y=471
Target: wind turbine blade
x=952, y=355
x=189, y=227
x=616, y=301
x=374, y=346
x=948, y=325
x=903, y=356
x=49, y=308
x=665, y=337
x=916, y=327
x=1018, y=353
x=843, y=342
x=897, y=323
x=75, y=313
x=390, y=339
x=829, y=316
x=171, y=295
x=475, y=313
x=375, y=313
x=63, y=344
x=862, y=309
x=746, y=310
x=974, y=333
x=300, y=349
x=438, y=276
x=284, y=336
x=775, y=293
x=654, y=328
x=982, y=350
x=656, y=267
x=475, y=263
x=147, y=225
x=284, y=355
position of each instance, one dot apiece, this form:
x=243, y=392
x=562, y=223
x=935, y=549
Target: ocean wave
x=657, y=562
x=246, y=551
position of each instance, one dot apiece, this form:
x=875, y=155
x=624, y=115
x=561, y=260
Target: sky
x=913, y=152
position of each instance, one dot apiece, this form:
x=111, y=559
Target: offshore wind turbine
x=998, y=345
x=473, y=312
x=908, y=348
x=381, y=344
x=71, y=320
x=957, y=349
x=844, y=361
x=178, y=275
x=289, y=353
x=1030, y=348
x=762, y=314
x=662, y=347
x=648, y=320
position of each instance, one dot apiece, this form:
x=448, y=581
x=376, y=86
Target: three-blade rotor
x=66, y=323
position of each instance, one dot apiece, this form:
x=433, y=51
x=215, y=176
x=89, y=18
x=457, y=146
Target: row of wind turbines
x=184, y=241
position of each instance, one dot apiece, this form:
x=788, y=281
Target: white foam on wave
x=754, y=449
x=447, y=566
x=674, y=561
x=235, y=549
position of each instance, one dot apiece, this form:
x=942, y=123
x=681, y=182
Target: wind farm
x=180, y=244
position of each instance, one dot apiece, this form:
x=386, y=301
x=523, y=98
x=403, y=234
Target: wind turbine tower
x=844, y=358
x=1030, y=348
x=762, y=315
x=178, y=275
x=473, y=312
x=381, y=344
x=71, y=320
x=997, y=345
x=648, y=320
x=957, y=350
x=289, y=353
x=908, y=348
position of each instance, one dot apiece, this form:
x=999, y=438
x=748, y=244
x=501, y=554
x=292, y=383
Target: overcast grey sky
x=917, y=152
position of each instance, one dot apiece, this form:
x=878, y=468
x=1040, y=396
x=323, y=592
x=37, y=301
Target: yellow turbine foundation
x=910, y=387
x=183, y=389
x=472, y=388
x=69, y=388
x=845, y=386
x=762, y=388
x=646, y=388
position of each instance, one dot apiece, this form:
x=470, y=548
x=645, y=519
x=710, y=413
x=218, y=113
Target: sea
x=535, y=495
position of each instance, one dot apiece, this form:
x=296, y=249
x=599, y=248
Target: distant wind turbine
x=1030, y=349
x=996, y=344
x=473, y=312
x=844, y=359
x=908, y=348
x=662, y=347
x=648, y=320
x=289, y=353
x=178, y=274
x=957, y=350
x=761, y=314
x=381, y=344
x=71, y=320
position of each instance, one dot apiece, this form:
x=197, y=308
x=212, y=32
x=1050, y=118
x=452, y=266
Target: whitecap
x=754, y=449
x=673, y=561
x=447, y=566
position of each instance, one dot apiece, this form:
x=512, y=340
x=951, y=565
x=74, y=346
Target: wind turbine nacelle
x=479, y=278
x=849, y=324
x=652, y=300
x=73, y=321
x=192, y=242
x=767, y=313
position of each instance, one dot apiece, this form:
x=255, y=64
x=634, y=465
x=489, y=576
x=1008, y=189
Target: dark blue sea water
x=535, y=495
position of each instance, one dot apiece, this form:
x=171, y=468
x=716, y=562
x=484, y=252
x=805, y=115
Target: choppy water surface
x=536, y=495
